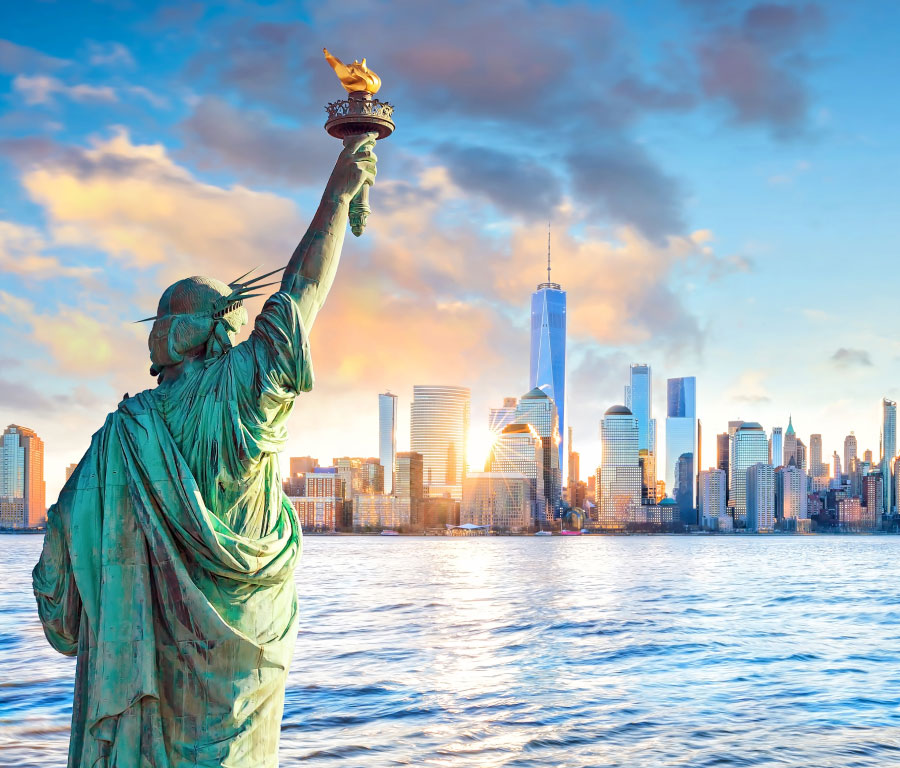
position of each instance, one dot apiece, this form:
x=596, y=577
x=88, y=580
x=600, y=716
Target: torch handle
x=359, y=211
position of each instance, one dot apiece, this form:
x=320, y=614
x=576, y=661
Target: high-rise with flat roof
x=387, y=437
x=749, y=446
x=639, y=400
x=817, y=468
x=539, y=410
x=22, y=488
x=506, y=414
x=760, y=489
x=888, y=449
x=439, y=429
x=776, y=446
x=712, y=498
x=619, y=475
x=520, y=449
x=681, y=442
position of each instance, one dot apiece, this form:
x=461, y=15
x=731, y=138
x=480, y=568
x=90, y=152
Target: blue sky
x=721, y=179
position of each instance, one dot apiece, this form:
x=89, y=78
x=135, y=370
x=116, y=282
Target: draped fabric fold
x=168, y=564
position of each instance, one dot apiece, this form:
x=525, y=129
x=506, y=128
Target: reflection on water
x=591, y=651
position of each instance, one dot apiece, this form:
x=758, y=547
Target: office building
x=749, y=446
x=539, y=410
x=681, y=442
x=409, y=484
x=439, y=429
x=776, y=446
x=873, y=494
x=387, y=438
x=619, y=474
x=791, y=495
x=70, y=470
x=888, y=450
x=723, y=449
x=639, y=400
x=372, y=512
x=548, y=347
x=22, y=487
x=500, y=500
x=761, y=498
x=850, y=457
x=712, y=498
x=321, y=506
x=817, y=468
x=360, y=475
x=519, y=449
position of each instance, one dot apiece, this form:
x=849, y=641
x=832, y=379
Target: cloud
x=845, y=357
x=15, y=59
x=136, y=204
x=113, y=55
x=756, y=66
x=42, y=89
x=23, y=252
x=250, y=144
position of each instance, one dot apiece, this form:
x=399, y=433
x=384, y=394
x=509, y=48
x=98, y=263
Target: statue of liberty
x=169, y=557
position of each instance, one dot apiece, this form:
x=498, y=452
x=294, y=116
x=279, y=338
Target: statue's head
x=197, y=314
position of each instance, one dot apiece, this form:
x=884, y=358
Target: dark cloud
x=851, y=358
x=18, y=59
x=247, y=141
x=513, y=184
x=757, y=66
x=18, y=396
x=622, y=181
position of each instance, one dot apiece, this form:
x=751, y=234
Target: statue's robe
x=168, y=564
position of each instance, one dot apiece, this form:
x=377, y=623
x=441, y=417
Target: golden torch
x=358, y=113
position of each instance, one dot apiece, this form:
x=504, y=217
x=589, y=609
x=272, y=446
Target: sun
x=478, y=447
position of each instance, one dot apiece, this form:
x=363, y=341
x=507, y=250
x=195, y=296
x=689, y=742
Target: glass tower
x=539, y=410
x=749, y=446
x=681, y=443
x=548, y=345
x=776, y=446
x=22, y=487
x=439, y=429
x=387, y=438
x=888, y=449
x=619, y=479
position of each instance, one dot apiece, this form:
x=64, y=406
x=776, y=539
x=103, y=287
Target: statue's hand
x=355, y=166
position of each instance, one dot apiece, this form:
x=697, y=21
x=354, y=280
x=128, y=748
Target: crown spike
x=145, y=320
x=261, y=277
x=239, y=291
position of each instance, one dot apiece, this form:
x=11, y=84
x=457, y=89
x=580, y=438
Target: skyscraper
x=619, y=476
x=711, y=499
x=22, y=488
x=519, y=449
x=539, y=410
x=888, y=450
x=506, y=414
x=548, y=345
x=761, y=498
x=722, y=452
x=409, y=484
x=790, y=443
x=850, y=457
x=776, y=446
x=639, y=400
x=816, y=467
x=681, y=441
x=439, y=429
x=790, y=495
x=749, y=446
x=387, y=437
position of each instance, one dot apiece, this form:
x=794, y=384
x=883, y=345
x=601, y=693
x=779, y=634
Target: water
x=592, y=651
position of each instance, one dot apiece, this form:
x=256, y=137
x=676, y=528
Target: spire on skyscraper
x=548, y=250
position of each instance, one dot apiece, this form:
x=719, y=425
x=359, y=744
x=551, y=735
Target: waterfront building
x=519, y=449
x=295, y=483
x=22, y=488
x=749, y=446
x=791, y=495
x=853, y=516
x=439, y=429
x=681, y=442
x=360, y=475
x=440, y=513
x=776, y=446
x=539, y=410
x=712, y=497
x=619, y=474
x=387, y=438
x=888, y=449
x=723, y=449
x=761, y=498
x=409, y=484
x=548, y=347
x=321, y=506
x=374, y=511
x=850, y=457
x=506, y=414
x=873, y=494
x=501, y=500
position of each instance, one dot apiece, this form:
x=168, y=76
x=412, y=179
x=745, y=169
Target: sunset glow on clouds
x=147, y=142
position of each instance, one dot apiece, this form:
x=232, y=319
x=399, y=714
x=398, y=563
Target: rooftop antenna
x=548, y=250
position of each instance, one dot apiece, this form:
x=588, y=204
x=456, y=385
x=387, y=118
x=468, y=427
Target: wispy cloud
x=846, y=357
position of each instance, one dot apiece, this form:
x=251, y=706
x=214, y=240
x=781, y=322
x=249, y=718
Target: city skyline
x=711, y=215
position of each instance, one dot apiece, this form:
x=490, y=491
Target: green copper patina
x=168, y=560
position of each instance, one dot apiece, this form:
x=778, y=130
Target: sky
x=720, y=177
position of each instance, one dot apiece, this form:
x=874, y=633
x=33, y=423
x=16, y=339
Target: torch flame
x=354, y=77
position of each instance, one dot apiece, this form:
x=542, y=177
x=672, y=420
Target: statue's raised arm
x=310, y=272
